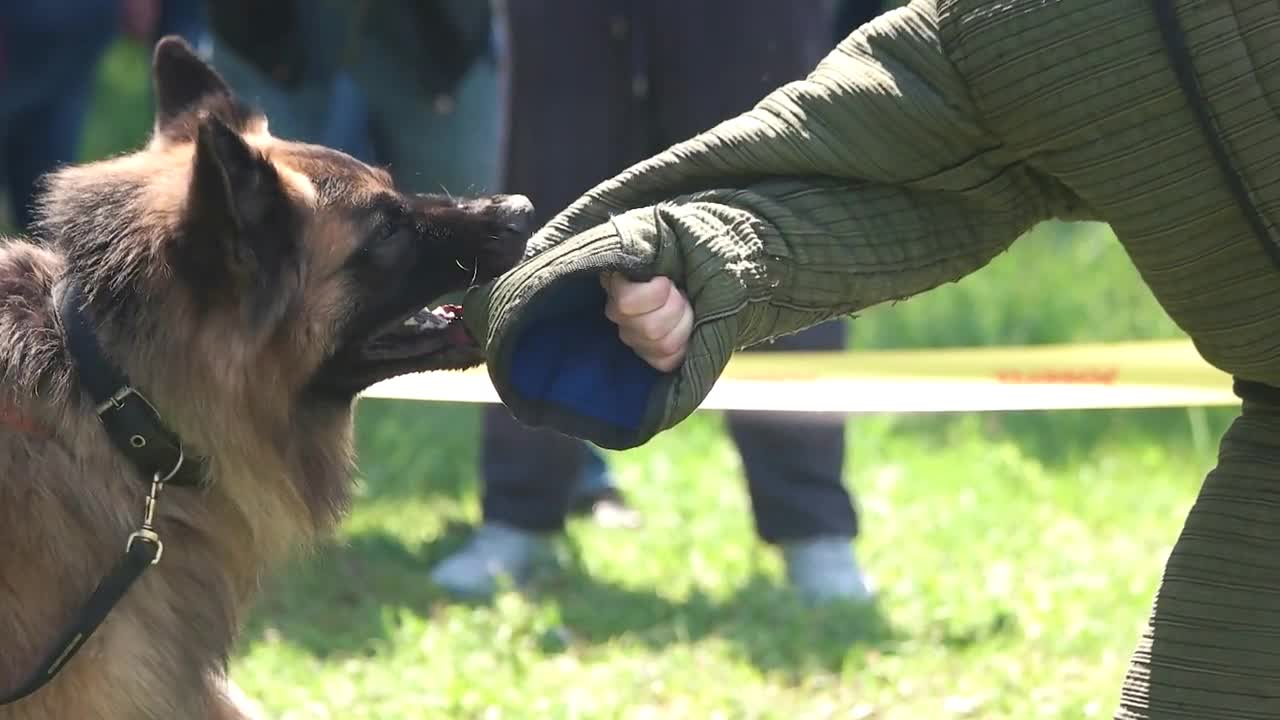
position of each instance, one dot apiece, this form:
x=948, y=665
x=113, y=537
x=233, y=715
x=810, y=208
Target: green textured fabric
x=872, y=180
x=1210, y=649
x=923, y=146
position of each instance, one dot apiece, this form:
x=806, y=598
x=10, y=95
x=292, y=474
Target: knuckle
x=627, y=338
x=670, y=345
x=659, y=362
x=654, y=328
x=630, y=301
x=643, y=297
x=670, y=363
x=635, y=340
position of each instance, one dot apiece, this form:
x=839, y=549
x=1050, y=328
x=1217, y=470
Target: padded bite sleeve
x=870, y=180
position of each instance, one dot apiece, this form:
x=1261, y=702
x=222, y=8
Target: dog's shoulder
x=30, y=342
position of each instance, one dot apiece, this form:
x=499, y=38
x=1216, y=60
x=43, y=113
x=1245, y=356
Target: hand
x=654, y=318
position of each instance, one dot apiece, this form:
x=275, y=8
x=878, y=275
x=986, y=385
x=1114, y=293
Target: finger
x=657, y=324
x=645, y=331
x=682, y=332
x=667, y=361
x=674, y=344
x=631, y=298
x=664, y=363
x=663, y=352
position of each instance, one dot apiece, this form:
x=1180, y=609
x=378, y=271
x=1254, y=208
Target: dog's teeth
x=412, y=322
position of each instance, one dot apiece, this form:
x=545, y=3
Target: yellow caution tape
x=1165, y=373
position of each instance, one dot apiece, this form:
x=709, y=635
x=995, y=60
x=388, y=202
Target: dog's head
x=257, y=250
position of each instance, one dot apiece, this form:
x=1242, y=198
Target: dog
x=184, y=336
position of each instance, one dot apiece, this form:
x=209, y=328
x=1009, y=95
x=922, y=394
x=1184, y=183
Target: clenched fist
x=654, y=318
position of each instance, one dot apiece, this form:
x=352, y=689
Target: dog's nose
x=517, y=211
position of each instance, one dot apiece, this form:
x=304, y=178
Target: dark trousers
x=598, y=85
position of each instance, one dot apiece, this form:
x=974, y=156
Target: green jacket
x=920, y=148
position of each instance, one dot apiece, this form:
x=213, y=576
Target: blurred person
x=146, y=21
x=595, y=492
x=414, y=85
x=50, y=53
x=633, y=78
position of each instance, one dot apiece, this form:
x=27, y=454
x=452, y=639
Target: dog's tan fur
x=235, y=390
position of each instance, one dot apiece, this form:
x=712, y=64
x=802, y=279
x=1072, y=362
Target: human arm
x=871, y=180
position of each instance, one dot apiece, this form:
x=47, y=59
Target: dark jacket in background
x=597, y=85
x=287, y=39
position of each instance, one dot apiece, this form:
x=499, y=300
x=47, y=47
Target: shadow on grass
x=770, y=628
x=344, y=599
x=347, y=601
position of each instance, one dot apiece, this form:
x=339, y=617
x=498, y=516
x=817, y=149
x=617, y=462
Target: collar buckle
x=116, y=401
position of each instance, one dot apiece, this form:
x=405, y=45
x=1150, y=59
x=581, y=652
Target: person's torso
x=1088, y=93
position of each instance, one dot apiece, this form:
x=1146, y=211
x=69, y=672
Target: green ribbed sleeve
x=870, y=180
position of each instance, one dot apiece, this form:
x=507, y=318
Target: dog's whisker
x=474, y=270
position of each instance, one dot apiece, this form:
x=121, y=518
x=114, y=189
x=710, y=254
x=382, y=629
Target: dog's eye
x=384, y=246
x=382, y=229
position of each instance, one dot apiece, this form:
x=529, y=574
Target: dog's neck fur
x=187, y=362
x=189, y=253
x=263, y=489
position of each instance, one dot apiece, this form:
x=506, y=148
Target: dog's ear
x=182, y=80
x=239, y=233
x=233, y=187
x=186, y=87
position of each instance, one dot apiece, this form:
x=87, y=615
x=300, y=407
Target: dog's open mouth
x=433, y=338
x=386, y=337
x=421, y=336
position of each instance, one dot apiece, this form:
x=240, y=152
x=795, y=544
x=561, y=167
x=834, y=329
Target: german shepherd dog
x=205, y=310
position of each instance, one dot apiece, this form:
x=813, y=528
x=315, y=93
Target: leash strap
x=136, y=429
x=131, y=421
x=139, y=556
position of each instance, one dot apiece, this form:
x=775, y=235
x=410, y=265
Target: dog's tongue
x=447, y=313
x=458, y=333
x=456, y=330
x=434, y=318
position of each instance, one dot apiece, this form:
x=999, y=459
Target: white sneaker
x=825, y=570
x=495, y=551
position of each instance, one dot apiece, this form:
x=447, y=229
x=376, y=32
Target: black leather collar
x=135, y=427
x=131, y=421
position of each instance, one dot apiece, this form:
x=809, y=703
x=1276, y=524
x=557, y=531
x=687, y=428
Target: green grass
x=1011, y=587
x=1016, y=553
